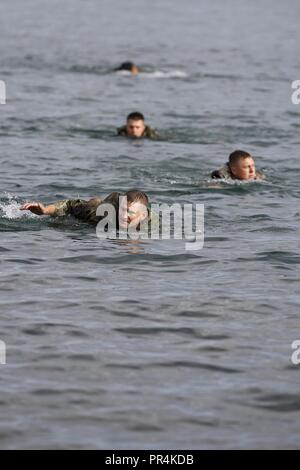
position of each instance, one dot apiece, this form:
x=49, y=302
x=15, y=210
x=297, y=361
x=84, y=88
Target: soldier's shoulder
x=260, y=176
x=122, y=131
x=223, y=172
x=151, y=133
x=94, y=202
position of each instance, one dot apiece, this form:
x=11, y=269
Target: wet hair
x=136, y=116
x=126, y=66
x=238, y=155
x=134, y=195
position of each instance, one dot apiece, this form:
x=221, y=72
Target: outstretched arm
x=57, y=209
x=38, y=208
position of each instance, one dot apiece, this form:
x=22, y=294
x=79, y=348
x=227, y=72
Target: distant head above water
x=128, y=67
x=240, y=166
x=135, y=124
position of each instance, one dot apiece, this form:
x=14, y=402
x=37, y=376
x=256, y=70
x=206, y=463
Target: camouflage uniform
x=85, y=211
x=148, y=133
x=225, y=173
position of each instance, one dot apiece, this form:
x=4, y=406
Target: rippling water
x=118, y=344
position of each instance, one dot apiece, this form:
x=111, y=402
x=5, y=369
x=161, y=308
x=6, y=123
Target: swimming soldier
x=129, y=211
x=135, y=127
x=240, y=166
x=128, y=67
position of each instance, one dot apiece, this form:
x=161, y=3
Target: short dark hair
x=126, y=66
x=238, y=155
x=135, y=195
x=136, y=116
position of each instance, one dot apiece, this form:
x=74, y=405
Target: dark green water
x=114, y=344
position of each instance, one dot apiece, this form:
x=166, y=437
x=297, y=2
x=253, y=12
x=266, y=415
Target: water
x=118, y=344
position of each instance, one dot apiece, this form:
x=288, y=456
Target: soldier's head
x=135, y=124
x=242, y=165
x=133, y=208
x=128, y=67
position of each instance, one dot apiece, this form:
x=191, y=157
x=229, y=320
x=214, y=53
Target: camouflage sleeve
x=66, y=206
x=122, y=131
x=222, y=173
x=155, y=135
x=151, y=133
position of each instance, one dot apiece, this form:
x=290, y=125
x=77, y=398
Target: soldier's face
x=135, y=128
x=134, y=70
x=244, y=169
x=132, y=214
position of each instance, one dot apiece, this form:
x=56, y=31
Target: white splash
x=217, y=182
x=162, y=74
x=155, y=74
x=11, y=209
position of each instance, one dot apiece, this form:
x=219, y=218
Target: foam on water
x=156, y=74
x=165, y=74
x=11, y=209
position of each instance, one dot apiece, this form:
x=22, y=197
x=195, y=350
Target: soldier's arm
x=153, y=134
x=38, y=208
x=156, y=136
x=57, y=209
x=122, y=131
